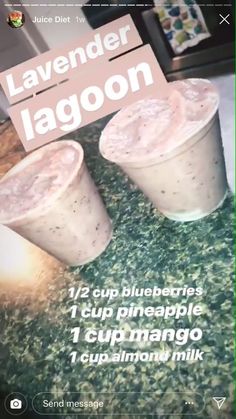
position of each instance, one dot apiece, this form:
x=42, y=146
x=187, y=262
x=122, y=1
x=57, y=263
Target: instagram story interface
x=116, y=209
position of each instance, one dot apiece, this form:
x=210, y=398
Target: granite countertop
x=147, y=250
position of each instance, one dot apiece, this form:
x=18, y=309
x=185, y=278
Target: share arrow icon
x=219, y=401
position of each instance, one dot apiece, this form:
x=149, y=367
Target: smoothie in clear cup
x=172, y=149
x=50, y=199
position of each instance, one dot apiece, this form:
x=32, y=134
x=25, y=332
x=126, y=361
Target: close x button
x=224, y=19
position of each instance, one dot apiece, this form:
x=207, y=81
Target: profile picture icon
x=16, y=19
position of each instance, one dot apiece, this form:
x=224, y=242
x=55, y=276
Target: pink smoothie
x=50, y=199
x=171, y=148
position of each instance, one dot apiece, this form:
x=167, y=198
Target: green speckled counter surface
x=146, y=250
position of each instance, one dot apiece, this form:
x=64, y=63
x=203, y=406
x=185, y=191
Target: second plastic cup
x=192, y=182
x=187, y=181
x=50, y=199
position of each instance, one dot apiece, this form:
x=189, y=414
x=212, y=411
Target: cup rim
x=183, y=147
x=157, y=156
x=30, y=158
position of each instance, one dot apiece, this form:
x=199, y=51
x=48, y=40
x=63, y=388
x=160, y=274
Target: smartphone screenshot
x=116, y=209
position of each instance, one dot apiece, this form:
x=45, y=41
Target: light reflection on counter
x=24, y=265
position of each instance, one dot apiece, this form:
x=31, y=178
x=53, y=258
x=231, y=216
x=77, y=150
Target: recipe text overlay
x=67, y=88
x=133, y=336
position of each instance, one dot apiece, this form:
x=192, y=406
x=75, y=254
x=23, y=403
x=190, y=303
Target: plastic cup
x=192, y=182
x=70, y=222
x=186, y=183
